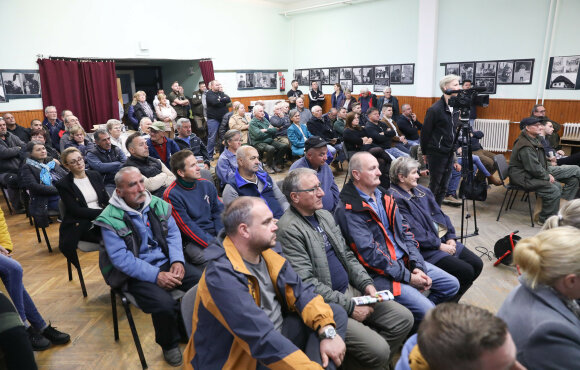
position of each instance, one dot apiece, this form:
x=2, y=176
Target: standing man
x=437, y=139
x=14, y=128
x=198, y=113
x=105, y=158
x=409, y=125
x=315, y=96
x=178, y=101
x=390, y=99
x=293, y=94
x=217, y=103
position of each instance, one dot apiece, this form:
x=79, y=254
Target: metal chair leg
x=514, y=199
x=501, y=207
x=114, y=310
x=37, y=233
x=7, y=201
x=68, y=265
x=46, y=240
x=83, y=287
x=134, y=332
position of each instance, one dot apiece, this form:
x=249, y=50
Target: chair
x=187, y=303
x=347, y=158
x=126, y=299
x=4, y=193
x=512, y=189
x=50, y=213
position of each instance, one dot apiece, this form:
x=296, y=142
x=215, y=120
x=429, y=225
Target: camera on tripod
x=465, y=99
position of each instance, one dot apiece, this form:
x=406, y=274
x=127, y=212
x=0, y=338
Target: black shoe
x=173, y=356
x=55, y=336
x=37, y=340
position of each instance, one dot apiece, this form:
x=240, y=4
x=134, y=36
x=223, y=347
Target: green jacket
x=303, y=247
x=257, y=136
x=528, y=166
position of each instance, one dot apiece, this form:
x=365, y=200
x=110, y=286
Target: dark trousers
x=14, y=341
x=466, y=268
x=164, y=310
x=273, y=152
x=573, y=159
x=10, y=180
x=439, y=174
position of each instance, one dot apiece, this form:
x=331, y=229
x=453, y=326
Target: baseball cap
x=314, y=142
x=158, y=126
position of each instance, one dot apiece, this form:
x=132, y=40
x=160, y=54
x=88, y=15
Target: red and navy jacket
x=367, y=237
x=230, y=330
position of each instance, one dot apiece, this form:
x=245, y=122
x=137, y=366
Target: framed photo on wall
x=21, y=84
x=407, y=74
x=505, y=72
x=357, y=75
x=563, y=73
x=381, y=78
x=523, y=71
x=345, y=73
x=452, y=69
x=333, y=76
x=346, y=84
x=396, y=74
x=316, y=74
x=485, y=69
x=487, y=82
x=466, y=71
x=3, y=98
x=325, y=76
x=302, y=76
x=368, y=75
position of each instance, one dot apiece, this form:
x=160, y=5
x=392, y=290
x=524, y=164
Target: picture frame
x=357, y=75
x=505, y=72
x=467, y=71
x=21, y=83
x=485, y=69
x=452, y=69
x=334, y=74
x=346, y=84
x=395, y=74
x=563, y=73
x=302, y=76
x=368, y=75
x=523, y=71
x=3, y=98
x=325, y=76
x=251, y=80
x=345, y=73
x=407, y=74
x=488, y=82
x=315, y=74
x=382, y=78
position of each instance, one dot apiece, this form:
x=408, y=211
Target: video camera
x=468, y=98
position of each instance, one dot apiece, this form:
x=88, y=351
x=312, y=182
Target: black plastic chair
x=511, y=189
x=4, y=193
x=51, y=214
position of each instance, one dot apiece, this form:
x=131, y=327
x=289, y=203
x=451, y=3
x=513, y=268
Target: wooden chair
x=511, y=189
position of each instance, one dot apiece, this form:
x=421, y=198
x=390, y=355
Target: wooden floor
x=89, y=320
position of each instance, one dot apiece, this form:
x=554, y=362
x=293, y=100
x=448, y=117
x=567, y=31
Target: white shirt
x=88, y=192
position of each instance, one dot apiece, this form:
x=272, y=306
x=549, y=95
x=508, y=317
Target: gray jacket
x=303, y=247
x=10, y=150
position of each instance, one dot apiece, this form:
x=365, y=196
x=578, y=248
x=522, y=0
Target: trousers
x=466, y=267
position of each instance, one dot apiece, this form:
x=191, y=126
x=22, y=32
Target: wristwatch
x=328, y=333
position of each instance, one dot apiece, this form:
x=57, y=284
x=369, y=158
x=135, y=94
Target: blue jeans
x=212, y=129
x=456, y=175
x=396, y=153
x=443, y=288
x=413, y=142
x=11, y=275
x=404, y=148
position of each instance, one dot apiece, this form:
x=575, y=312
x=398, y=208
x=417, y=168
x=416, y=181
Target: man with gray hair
x=263, y=138
x=106, y=159
x=409, y=125
x=317, y=127
x=52, y=124
x=151, y=256
x=314, y=246
x=388, y=98
x=186, y=139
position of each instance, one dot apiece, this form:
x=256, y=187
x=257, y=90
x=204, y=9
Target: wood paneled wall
x=23, y=117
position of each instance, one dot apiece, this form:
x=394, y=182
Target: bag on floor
x=473, y=189
x=504, y=249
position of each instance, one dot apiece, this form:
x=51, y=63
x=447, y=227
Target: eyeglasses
x=74, y=162
x=311, y=190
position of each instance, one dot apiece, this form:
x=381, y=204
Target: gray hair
x=119, y=175
x=242, y=152
x=254, y=110
x=387, y=88
x=292, y=181
x=237, y=213
x=447, y=80
x=97, y=134
x=49, y=107
x=230, y=134
x=292, y=113
x=402, y=166
x=144, y=118
x=356, y=161
x=317, y=107
x=180, y=122
x=111, y=123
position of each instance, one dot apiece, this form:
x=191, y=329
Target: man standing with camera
x=437, y=138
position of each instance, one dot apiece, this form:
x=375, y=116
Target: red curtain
x=88, y=89
x=206, y=67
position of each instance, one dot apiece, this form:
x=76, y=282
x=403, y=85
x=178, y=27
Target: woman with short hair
x=166, y=114
x=297, y=133
x=118, y=137
x=227, y=163
x=337, y=98
x=78, y=139
x=239, y=122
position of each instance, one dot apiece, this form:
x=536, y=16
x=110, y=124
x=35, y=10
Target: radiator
x=571, y=131
x=496, y=133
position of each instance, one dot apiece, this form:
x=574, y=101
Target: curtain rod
x=81, y=59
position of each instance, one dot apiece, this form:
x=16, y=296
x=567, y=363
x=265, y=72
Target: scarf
x=45, y=177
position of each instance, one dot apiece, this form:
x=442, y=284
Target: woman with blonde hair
x=131, y=111
x=238, y=120
x=141, y=107
x=166, y=114
x=543, y=314
x=568, y=215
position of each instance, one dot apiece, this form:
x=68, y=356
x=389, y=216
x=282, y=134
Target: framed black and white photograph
x=505, y=72
x=407, y=74
x=523, y=71
x=333, y=76
x=21, y=84
x=345, y=73
x=266, y=80
x=325, y=76
x=316, y=74
x=3, y=98
x=485, y=69
x=487, y=82
x=382, y=79
x=246, y=80
x=357, y=75
x=302, y=76
x=346, y=84
x=466, y=71
x=396, y=74
x=452, y=69
x=368, y=75
x=564, y=72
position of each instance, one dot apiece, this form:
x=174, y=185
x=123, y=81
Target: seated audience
x=539, y=111
x=375, y=229
x=339, y=124
x=159, y=146
x=315, y=158
x=145, y=127
x=381, y=133
x=227, y=162
x=479, y=170
x=367, y=100
x=305, y=114
x=14, y=342
x=337, y=98
x=250, y=180
x=64, y=136
x=38, y=175
x=486, y=157
x=315, y=96
x=106, y=159
x=431, y=227
x=195, y=206
x=36, y=124
x=142, y=108
x=186, y=139
x=157, y=265
x=458, y=337
x=388, y=98
x=10, y=153
x=239, y=122
x=118, y=137
x=398, y=141
x=297, y=133
x=157, y=176
x=41, y=136
x=77, y=139
x=362, y=117
x=330, y=117
x=409, y=125
x=556, y=157
x=317, y=127
x=263, y=138
x=14, y=128
x=355, y=138
x=40, y=334
x=568, y=215
x=281, y=121
x=84, y=196
x=528, y=168
x=374, y=333
x=349, y=100
x=166, y=114
x=542, y=313
x=293, y=330
x=52, y=124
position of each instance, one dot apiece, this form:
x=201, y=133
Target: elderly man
x=161, y=147
x=14, y=128
x=375, y=230
x=314, y=246
x=151, y=256
x=263, y=138
x=315, y=149
x=252, y=310
x=157, y=176
x=317, y=127
x=178, y=101
x=529, y=168
x=69, y=122
x=281, y=121
x=249, y=180
x=388, y=98
x=293, y=94
x=367, y=100
x=186, y=139
x=217, y=103
x=198, y=111
x=106, y=159
x=305, y=114
x=409, y=125
x=196, y=206
x=144, y=127
x=10, y=150
x=52, y=124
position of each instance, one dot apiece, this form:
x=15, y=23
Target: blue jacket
x=132, y=118
x=54, y=131
x=368, y=238
x=331, y=193
x=420, y=210
x=195, y=144
x=297, y=139
x=337, y=102
x=244, y=188
x=227, y=165
x=197, y=210
x=231, y=331
x=106, y=162
x=172, y=148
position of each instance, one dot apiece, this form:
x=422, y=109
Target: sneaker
x=55, y=336
x=173, y=356
x=451, y=200
x=37, y=340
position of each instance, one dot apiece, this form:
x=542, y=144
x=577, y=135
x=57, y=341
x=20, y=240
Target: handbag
x=473, y=189
x=504, y=249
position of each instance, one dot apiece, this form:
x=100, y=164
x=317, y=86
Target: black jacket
x=217, y=103
x=139, y=112
x=353, y=140
x=408, y=128
x=195, y=145
x=317, y=127
x=374, y=132
x=439, y=128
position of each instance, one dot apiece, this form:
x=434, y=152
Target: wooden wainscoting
x=23, y=117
